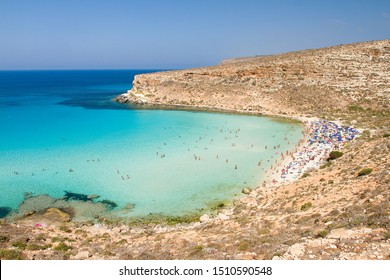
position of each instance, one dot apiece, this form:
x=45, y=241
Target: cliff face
x=316, y=82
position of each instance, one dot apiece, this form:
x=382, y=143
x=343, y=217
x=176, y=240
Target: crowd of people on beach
x=323, y=137
x=329, y=132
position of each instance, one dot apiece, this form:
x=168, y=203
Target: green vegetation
x=197, y=248
x=277, y=254
x=173, y=220
x=122, y=242
x=79, y=231
x=36, y=247
x=386, y=135
x=329, y=163
x=355, y=108
x=215, y=205
x=40, y=237
x=334, y=155
x=304, y=175
x=57, y=239
x=244, y=246
x=6, y=254
x=20, y=244
x=65, y=228
x=364, y=171
x=3, y=238
x=62, y=247
x=322, y=233
x=306, y=206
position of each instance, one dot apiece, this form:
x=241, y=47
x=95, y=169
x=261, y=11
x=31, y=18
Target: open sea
x=60, y=132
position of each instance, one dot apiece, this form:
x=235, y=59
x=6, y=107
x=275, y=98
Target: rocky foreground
x=339, y=211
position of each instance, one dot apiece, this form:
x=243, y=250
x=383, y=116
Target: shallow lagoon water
x=60, y=132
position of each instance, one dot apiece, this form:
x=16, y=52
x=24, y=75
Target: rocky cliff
x=311, y=82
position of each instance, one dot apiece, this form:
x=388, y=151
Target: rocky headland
x=337, y=211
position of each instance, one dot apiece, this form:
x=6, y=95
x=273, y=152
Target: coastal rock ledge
x=132, y=97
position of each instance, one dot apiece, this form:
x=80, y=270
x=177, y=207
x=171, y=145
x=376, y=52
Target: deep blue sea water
x=60, y=132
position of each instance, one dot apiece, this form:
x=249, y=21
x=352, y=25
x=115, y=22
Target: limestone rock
x=246, y=190
x=340, y=233
x=82, y=255
x=55, y=214
x=222, y=216
x=296, y=251
x=204, y=218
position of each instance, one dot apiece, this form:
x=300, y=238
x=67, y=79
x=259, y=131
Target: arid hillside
x=347, y=81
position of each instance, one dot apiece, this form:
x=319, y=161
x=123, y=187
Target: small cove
x=61, y=132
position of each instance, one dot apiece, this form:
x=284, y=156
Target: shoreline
x=208, y=109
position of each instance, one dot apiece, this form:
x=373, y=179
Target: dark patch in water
x=75, y=196
x=97, y=103
x=4, y=211
x=109, y=203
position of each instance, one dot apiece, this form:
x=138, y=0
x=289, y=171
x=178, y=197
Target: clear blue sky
x=152, y=34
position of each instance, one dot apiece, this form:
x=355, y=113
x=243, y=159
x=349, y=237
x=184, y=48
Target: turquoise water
x=61, y=132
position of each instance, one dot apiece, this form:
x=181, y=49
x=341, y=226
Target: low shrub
x=364, y=171
x=334, y=155
x=65, y=228
x=36, y=247
x=329, y=163
x=304, y=175
x=62, y=247
x=322, y=233
x=20, y=244
x=355, y=108
x=3, y=238
x=306, y=206
x=6, y=254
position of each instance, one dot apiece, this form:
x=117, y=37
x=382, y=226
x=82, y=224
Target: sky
x=176, y=34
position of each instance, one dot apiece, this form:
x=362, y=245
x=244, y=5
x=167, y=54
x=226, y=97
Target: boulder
x=340, y=233
x=246, y=190
x=82, y=255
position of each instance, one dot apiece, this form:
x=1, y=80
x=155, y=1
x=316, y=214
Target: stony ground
x=331, y=213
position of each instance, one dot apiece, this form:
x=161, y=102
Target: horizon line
x=91, y=69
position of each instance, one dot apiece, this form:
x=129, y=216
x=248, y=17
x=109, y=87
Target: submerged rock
x=76, y=196
x=109, y=203
x=129, y=206
x=36, y=204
